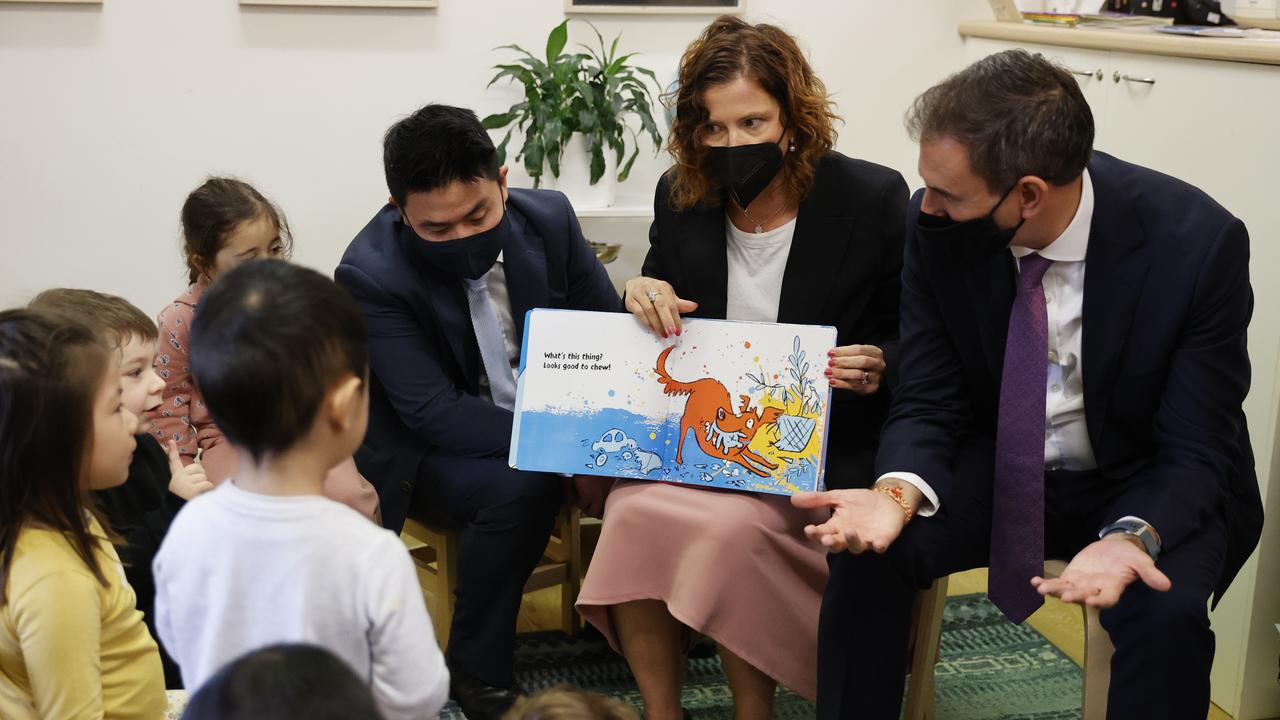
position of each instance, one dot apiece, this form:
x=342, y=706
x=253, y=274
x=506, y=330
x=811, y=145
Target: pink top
x=182, y=416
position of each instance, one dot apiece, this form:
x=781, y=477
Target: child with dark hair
x=281, y=355
x=225, y=222
x=284, y=682
x=141, y=509
x=72, y=642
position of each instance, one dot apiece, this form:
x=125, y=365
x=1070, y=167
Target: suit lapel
x=1115, y=271
x=993, y=286
x=818, y=249
x=525, y=265
x=453, y=315
x=703, y=260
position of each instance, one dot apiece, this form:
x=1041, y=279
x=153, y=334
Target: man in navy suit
x=1073, y=365
x=445, y=273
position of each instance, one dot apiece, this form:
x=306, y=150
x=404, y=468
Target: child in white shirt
x=280, y=354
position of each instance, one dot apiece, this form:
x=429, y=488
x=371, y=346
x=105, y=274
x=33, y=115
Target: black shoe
x=477, y=699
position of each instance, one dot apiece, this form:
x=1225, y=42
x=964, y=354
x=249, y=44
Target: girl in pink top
x=225, y=222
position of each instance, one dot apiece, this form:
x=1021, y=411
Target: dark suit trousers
x=1164, y=647
x=505, y=518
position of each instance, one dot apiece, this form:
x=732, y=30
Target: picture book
x=732, y=405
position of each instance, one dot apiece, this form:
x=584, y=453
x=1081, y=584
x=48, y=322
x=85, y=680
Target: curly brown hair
x=727, y=49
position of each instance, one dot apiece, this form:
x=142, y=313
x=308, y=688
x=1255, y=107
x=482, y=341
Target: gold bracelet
x=897, y=495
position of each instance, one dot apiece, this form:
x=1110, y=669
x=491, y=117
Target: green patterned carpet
x=989, y=669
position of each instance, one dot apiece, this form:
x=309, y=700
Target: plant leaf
x=556, y=41
x=626, y=169
x=515, y=72
x=585, y=91
x=551, y=145
x=533, y=156
x=616, y=65
x=498, y=120
x=502, y=147
x=597, y=159
x=599, y=37
x=647, y=71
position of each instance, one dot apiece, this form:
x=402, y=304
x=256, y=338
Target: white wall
x=110, y=114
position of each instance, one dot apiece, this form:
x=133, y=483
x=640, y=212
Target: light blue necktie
x=493, y=348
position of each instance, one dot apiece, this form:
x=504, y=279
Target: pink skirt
x=733, y=566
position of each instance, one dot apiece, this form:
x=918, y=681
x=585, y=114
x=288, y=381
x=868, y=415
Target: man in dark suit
x=446, y=272
x=1045, y=410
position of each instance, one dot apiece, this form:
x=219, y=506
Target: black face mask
x=982, y=234
x=745, y=171
x=469, y=257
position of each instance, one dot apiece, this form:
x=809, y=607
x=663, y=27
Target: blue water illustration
x=618, y=443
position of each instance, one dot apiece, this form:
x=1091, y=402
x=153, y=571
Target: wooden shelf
x=1137, y=40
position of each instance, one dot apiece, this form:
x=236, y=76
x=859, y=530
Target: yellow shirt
x=69, y=647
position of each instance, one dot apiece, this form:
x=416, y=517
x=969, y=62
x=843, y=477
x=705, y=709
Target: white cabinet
x=1213, y=124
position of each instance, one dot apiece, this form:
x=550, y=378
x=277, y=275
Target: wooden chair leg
x=928, y=635
x=571, y=536
x=447, y=572
x=1097, y=656
x=1097, y=666
x=435, y=552
x=435, y=556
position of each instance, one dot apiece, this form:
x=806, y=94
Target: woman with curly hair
x=759, y=219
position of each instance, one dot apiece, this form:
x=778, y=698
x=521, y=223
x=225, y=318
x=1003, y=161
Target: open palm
x=1099, y=573
x=860, y=520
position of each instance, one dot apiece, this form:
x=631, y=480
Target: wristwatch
x=1140, y=529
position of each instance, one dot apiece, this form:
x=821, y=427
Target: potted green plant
x=575, y=116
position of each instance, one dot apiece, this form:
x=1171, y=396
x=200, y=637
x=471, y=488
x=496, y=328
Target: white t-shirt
x=757, y=263
x=239, y=571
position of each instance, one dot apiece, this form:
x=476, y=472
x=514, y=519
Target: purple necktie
x=1017, y=507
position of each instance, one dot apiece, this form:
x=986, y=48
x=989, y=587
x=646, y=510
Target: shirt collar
x=1073, y=243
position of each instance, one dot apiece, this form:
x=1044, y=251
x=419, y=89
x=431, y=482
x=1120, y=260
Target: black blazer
x=843, y=270
x=1167, y=302
x=424, y=394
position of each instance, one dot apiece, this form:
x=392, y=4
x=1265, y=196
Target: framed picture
x=345, y=3
x=666, y=7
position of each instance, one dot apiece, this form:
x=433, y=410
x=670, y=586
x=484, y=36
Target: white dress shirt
x=1066, y=436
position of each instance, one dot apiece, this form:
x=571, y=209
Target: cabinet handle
x=1118, y=76
x=1095, y=74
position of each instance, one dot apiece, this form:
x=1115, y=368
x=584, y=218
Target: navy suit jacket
x=1167, y=303
x=424, y=394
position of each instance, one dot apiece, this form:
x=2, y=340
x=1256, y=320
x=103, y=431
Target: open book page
x=740, y=406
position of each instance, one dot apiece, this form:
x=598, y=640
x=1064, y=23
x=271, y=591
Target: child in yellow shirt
x=72, y=642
